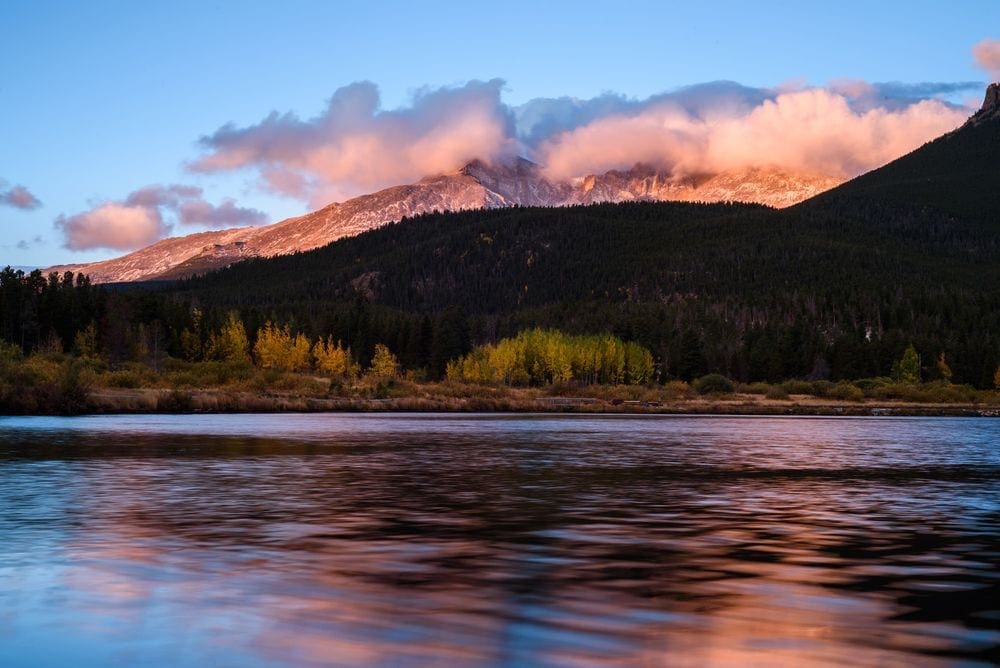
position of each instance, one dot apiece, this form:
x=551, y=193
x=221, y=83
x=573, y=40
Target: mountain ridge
x=476, y=185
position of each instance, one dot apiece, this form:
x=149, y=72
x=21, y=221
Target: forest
x=743, y=291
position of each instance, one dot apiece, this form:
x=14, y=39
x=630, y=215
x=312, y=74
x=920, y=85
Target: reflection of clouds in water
x=566, y=542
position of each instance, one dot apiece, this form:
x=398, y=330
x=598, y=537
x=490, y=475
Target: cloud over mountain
x=141, y=218
x=355, y=146
x=987, y=56
x=18, y=197
x=813, y=130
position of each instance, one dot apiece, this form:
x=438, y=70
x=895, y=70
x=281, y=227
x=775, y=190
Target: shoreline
x=163, y=401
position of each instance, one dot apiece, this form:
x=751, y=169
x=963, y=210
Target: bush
x=677, y=389
x=714, y=383
x=778, y=392
x=126, y=379
x=846, y=392
x=868, y=385
x=207, y=374
x=797, y=387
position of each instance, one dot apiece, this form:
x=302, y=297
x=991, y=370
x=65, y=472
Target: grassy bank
x=55, y=383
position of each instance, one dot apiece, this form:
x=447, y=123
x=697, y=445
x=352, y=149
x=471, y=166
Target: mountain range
x=477, y=185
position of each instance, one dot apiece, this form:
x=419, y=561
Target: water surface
x=267, y=540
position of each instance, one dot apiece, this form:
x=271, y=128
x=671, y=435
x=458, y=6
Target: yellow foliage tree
x=230, y=344
x=332, y=358
x=276, y=348
x=540, y=356
x=384, y=362
x=271, y=351
x=301, y=354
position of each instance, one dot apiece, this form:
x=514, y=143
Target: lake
x=454, y=540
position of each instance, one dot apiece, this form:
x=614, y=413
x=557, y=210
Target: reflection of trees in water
x=493, y=539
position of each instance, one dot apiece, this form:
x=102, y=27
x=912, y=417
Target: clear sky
x=99, y=99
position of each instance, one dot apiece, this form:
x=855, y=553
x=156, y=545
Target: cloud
x=987, y=55
x=25, y=244
x=18, y=197
x=355, y=146
x=542, y=118
x=835, y=132
x=142, y=218
x=227, y=214
x=166, y=196
x=113, y=225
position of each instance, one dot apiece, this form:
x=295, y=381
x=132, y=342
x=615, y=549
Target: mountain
x=477, y=185
x=956, y=176
x=838, y=285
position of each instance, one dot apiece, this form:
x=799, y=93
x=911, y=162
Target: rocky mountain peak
x=992, y=101
x=991, y=105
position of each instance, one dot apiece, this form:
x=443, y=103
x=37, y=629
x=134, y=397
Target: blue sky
x=100, y=99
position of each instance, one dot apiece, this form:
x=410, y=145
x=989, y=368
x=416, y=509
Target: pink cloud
x=141, y=218
x=356, y=147
x=113, y=225
x=987, y=56
x=18, y=197
x=812, y=130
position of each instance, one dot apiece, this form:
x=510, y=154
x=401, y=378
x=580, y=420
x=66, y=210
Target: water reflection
x=275, y=540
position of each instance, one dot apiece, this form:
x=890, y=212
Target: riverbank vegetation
x=66, y=343
x=56, y=382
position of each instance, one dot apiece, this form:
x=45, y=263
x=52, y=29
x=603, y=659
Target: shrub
x=846, y=392
x=797, y=387
x=822, y=388
x=867, y=385
x=714, y=383
x=125, y=379
x=677, y=389
x=778, y=392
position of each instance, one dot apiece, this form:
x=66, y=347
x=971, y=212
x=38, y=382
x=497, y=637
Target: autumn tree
x=332, y=358
x=942, y=369
x=549, y=356
x=277, y=348
x=300, y=358
x=384, y=362
x=230, y=343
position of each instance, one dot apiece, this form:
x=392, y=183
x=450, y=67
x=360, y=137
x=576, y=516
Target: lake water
x=260, y=540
